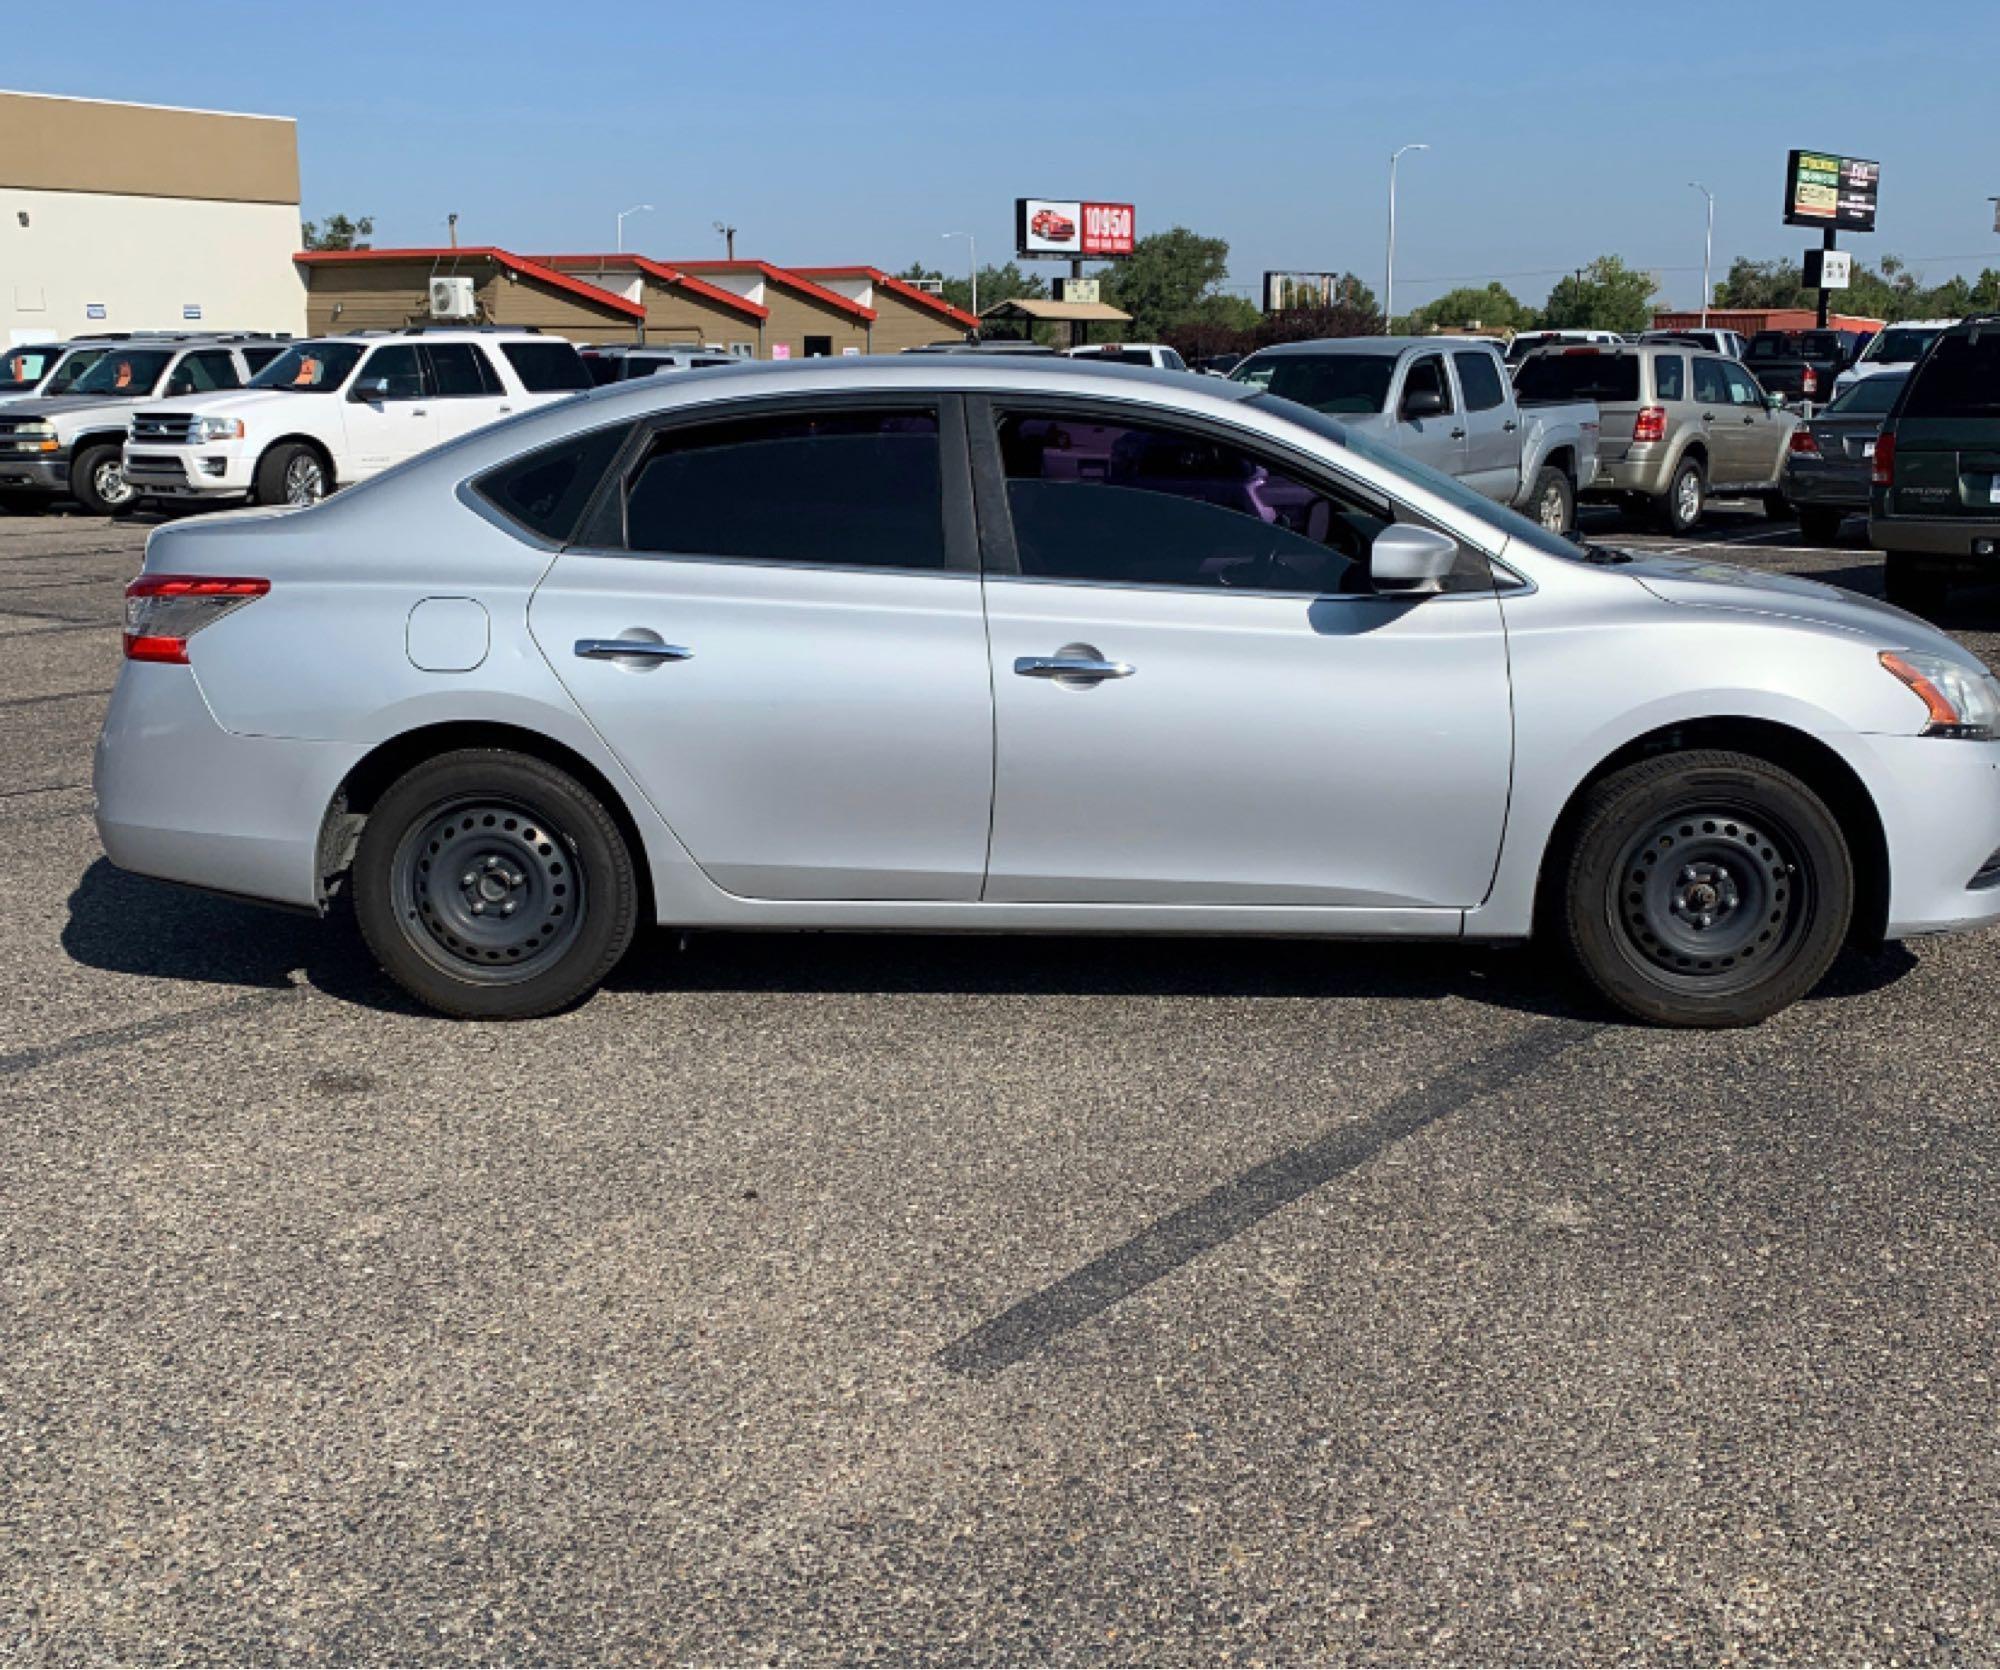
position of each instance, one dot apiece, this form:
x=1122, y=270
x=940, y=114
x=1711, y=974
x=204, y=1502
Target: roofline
x=666, y=275
x=478, y=252
x=909, y=292
x=789, y=277
x=140, y=104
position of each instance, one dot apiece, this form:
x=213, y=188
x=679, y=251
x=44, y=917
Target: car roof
x=1368, y=345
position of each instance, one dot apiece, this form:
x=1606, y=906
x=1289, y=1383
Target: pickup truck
x=1447, y=403
x=1801, y=365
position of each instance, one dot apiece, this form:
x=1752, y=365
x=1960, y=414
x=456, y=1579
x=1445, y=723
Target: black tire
x=294, y=474
x=1820, y=524
x=1777, y=506
x=97, y=481
x=1704, y=889
x=533, y=898
x=1913, y=583
x=1679, y=509
x=1554, y=496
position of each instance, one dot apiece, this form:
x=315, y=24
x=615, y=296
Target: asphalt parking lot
x=877, y=1298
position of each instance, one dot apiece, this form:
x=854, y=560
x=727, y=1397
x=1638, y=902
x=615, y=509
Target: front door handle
x=622, y=649
x=1458, y=434
x=1510, y=426
x=1071, y=667
x=419, y=411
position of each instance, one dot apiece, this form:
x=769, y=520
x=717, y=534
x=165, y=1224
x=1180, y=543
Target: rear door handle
x=1082, y=668
x=623, y=649
x=1458, y=434
x=1510, y=426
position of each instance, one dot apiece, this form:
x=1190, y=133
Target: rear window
x=1334, y=383
x=1579, y=376
x=1771, y=345
x=547, y=490
x=1961, y=378
x=547, y=367
x=1870, y=397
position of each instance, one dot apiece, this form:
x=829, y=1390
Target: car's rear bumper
x=1977, y=539
x=1820, y=485
x=180, y=798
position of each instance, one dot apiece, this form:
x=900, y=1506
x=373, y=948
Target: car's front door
x=1761, y=434
x=775, y=623
x=387, y=410
x=1492, y=432
x=1199, y=700
x=1433, y=435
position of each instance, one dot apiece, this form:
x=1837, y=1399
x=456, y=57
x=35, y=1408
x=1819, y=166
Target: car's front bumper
x=39, y=472
x=186, y=472
x=180, y=798
x=1939, y=801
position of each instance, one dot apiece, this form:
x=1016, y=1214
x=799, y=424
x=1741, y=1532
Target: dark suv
x=1934, y=505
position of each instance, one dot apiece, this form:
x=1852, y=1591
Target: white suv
x=338, y=409
x=1895, y=347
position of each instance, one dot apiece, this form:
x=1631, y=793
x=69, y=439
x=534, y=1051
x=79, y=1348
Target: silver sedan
x=938, y=643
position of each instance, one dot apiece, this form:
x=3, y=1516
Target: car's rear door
x=466, y=390
x=773, y=618
x=1198, y=698
x=1492, y=432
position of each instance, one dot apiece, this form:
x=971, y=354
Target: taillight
x=1811, y=380
x=163, y=611
x=1650, y=424
x=1804, y=440
x=1884, y=473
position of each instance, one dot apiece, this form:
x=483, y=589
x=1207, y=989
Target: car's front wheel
x=494, y=886
x=1705, y=888
x=292, y=474
x=97, y=480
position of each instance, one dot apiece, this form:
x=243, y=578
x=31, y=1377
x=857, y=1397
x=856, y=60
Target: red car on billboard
x=1048, y=224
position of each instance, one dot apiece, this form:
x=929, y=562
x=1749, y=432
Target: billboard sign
x=1285, y=292
x=1822, y=189
x=1060, y=226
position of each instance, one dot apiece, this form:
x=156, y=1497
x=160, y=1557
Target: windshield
x=1510, y=524
x=1900, y=345
x=131, y=371
x=66, y=374
x=22, y=368
x=1871, y=397
x=1351, y=383
x=310, y=368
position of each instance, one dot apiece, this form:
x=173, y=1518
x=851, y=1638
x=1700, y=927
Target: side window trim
x=601, y=529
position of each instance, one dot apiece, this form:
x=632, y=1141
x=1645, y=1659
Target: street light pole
x=1707, y=251
x=636, y=209
x=972, y=255
x=1389, y=275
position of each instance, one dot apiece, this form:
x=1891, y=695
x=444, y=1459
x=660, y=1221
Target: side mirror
x=1775, y=400
x=1422, y=403
x=1410, y=560
x=370, y=389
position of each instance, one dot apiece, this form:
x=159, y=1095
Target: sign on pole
x=1062, y=226
x=1825, y=190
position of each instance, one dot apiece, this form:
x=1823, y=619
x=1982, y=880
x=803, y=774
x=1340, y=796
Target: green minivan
x=1934, y=504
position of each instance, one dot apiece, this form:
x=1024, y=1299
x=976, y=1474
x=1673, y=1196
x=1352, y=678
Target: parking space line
x=134, y=1032
x=1245, y=1201
x=55, y=696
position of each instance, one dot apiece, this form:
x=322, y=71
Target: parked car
x=1676, y=426
x=1155, y=354
x=1218, y=365
x=614, y=362
x=338, y=409
x=1802, y=365
x=1447, y=403
x=1048, y=224
x=71, y=442
x=1526, y=342
x=987, y=345
x=1894, y=348
x=1934, y=500
x=1341, y=694
x=1832, y=457
x=1730, y=344
x=33, y=368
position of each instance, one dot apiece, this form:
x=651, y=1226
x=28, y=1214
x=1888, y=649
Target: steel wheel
x=488, y=890
x=305, y=480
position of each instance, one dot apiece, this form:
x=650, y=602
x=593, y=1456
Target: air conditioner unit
x=453, y=298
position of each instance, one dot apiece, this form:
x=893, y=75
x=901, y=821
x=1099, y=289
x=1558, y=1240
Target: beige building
x=680, y=308
x=385, y=289
x=145, y=217
x=803, y=320
x=905, y=317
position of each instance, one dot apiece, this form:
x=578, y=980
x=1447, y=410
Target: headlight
x=34, y=431
x=216, y=429
x=1962, y=701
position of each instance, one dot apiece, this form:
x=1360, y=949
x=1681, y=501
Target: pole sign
x=1085, y=290
x=1825, y=190
x=1059, y=226
x=1828, y=269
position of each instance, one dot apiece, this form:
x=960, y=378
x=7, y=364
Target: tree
x=1308, y=324
x=996, y=284
x=338, y=233
x=1606, y=295
x=1889, y=292
x=1762, y=285
x=1166, y=280
x=1492, y=308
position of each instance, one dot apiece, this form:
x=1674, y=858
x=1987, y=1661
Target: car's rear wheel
x=1553, y=503
x=1680, y=507
x=1915, y=583
x=293, y=474
x=494, y=886
x=97, y=480
x=1819, y=525
x=1705, y=889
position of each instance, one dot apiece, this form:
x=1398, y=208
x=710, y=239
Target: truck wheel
x=97, y=479
x=294, y=474
x=1819, y=525
x=1553, y=503
x=1910, y=582
x=1680, y=507
x=494, y=886
x=1705, y=888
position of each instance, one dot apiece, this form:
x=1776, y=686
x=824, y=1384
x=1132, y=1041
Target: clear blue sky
x=861, y=131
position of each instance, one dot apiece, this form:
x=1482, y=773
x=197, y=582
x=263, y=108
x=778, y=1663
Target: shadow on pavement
x=127, y=924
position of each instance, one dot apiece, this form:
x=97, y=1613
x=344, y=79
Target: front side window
x=547, y=367
x=1709, y=386
x=1330, y=383
x=1479, y=376
x=852, y=488
x=547, y=490
x=310, y=368
x=393, y=374
x=124, y=371
x=1669, y=377
x=1743, y=389
x=1130, y=504
x=459, y=371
